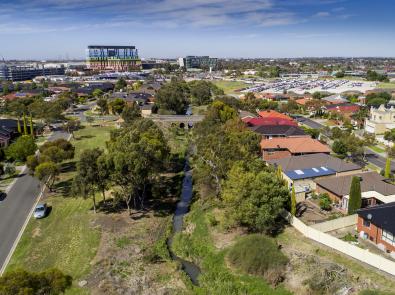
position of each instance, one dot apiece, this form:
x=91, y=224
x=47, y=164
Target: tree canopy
x=21, y=282
x=174, y=97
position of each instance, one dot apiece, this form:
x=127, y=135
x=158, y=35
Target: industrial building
x=28, y=72
x=113, y=58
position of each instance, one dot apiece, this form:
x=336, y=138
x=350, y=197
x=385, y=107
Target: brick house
x=282, y=147
x=378, y=225
x=374, y=189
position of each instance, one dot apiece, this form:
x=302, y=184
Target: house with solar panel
x=303, y=171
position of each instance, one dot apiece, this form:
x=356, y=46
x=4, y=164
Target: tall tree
x=355, y=198
x=103, y=105
x=131, y=113
x=137, y=154
x=24, y=125
x=173, y=97
x=19, y=127
x=87, y=180
x=253, y=196
x=293, y=201
x=387, y=171
x=46, y=172
x=31, y=125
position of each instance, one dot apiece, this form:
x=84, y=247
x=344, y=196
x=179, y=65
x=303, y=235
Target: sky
x=55, y=29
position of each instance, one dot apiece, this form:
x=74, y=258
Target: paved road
x=17, y=205
x=310, y=123
x=377, y=159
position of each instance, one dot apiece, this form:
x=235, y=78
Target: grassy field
x=229, y=87
x=66, y=239
x=387, y=85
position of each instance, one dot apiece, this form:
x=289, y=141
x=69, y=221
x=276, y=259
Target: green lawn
x=91, y=137
x=377, y=149
x=229, y=87
x=387, y=85
x=65, y=239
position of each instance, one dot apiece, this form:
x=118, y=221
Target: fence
x=362, y=255
x=335, y=224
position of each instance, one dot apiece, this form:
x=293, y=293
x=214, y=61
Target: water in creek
x=182, y=208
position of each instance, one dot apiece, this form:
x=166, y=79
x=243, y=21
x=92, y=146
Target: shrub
x=51, y=281
x=259, y=255
x=9, y=169
x=325, y=202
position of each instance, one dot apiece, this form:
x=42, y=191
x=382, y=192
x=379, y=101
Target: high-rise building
x=198, y=62
x=113, y=58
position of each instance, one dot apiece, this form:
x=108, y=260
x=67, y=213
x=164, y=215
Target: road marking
x=7, y=260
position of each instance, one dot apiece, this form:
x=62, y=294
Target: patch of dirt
x=311, y=261
x=225, y=239
x=121, y=265
x=36, y=233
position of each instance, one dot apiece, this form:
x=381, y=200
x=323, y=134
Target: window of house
x=388, y=237
x=366, y=223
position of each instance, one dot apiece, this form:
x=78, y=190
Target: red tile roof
x=273, y=114
x=295, y=145
x=268, y=121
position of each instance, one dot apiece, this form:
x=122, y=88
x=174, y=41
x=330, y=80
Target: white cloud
x=322, y=14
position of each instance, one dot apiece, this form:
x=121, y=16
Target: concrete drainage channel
x=192, y=270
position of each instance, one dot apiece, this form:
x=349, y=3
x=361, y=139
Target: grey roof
x=382, y=216
x=314, y=160
x=278, y=130
x=370, y=181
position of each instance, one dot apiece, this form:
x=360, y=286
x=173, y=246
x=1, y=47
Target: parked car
x=40, y=211
x=2, y=196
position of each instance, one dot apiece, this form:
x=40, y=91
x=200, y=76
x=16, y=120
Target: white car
x=40, y=211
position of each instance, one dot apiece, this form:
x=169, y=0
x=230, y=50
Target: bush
x=9, y=169
x=325, y=202
x=23, y=147
x=51, y=281
x=259, y=255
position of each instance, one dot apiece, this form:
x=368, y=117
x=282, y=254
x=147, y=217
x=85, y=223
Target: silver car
x=40, y=211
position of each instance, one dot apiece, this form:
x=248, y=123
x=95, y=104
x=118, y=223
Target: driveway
x=16, y=208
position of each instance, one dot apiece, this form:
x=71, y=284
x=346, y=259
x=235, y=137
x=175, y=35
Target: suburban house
x=374, y=189
x=378, y=225
x=271, y=131
x=345, y=109
x=268, y=121
x=141, y=98
x=273, y=114
x=334, y=99
x=8, y=131
x=380, y=120
x=283, y=147
x=302, y=171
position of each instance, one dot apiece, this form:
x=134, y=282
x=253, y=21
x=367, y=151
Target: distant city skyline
x=53, y=29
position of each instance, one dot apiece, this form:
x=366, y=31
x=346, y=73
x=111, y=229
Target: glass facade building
x=199, y=62
x=113, y=58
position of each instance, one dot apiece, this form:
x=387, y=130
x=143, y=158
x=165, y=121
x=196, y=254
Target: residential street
x=376, y=159
x=17, y=205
